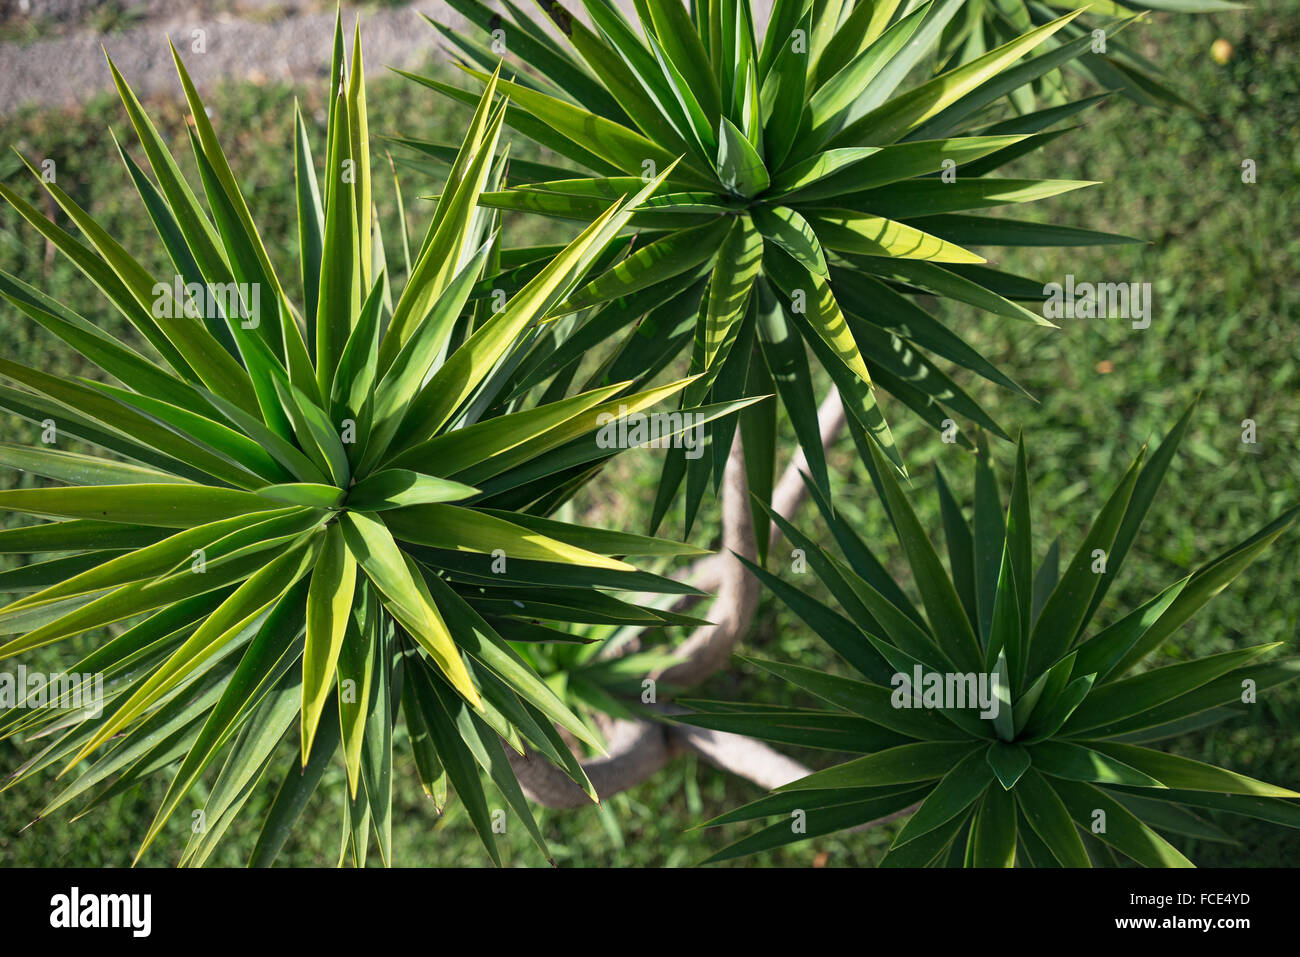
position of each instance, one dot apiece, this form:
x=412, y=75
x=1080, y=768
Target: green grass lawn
x=1222, y=262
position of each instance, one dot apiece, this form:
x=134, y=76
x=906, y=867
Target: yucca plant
x=820, y=189
x=329, y=522
x=1056, y=763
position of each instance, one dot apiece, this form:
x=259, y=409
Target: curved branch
x=742, y=756
x=639, y=749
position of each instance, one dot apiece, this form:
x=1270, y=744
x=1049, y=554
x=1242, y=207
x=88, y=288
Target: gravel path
x=295, y=46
